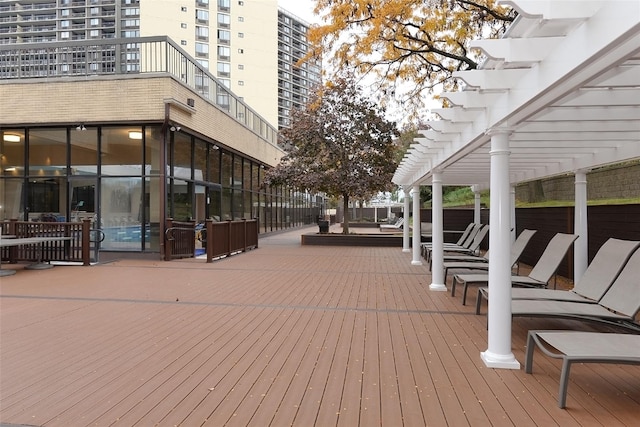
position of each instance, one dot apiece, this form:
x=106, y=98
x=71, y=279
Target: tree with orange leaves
x=410, y=46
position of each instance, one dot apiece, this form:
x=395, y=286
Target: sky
x=300, y=8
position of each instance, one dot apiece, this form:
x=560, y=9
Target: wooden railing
x=75, y=249
x=229, y=237
x=179, y=237
x=219, y=238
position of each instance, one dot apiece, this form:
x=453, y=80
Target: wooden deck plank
x=370, y=406
x=290, y=370
x=351, y=393
x=284, y=335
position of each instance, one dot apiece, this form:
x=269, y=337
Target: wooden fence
x=606, y=221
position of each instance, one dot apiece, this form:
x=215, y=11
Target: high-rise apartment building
x=250, y=46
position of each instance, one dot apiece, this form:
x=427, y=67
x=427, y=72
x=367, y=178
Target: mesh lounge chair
x=618, y=306
x=539, y=276
x=582, y=347
x=483, y=264
x=392, y=227
x=470, y=246
x=472, y=227
x=603, y=270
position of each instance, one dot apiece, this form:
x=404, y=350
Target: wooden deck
x=282, y=335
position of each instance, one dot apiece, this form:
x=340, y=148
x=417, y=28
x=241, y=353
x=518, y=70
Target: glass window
x=181, y=155
x=214, y=164
x=151, y=224
x=202, y=48
x=84, y=151
x=12, y=152
x=82, y=198
x=180, y=201
x=48, y=152
x=202, y=15
x=120, y=213
x=224, y=35
x=152, y=150
x=224, y=51
x=227, y=159
x=10, y=194
x=224, y=19
x=224, y=69
x=200, y=160
x=246, y=175
x=45, y=199
x=121, y=150
x=237, y=172
x=202, y=32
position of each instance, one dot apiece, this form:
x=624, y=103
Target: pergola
x=558, y=94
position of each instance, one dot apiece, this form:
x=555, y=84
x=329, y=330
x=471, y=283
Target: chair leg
x=464, y=293
x=528, y=361
x=564, y=382
x=479, y=300
x=453, y=286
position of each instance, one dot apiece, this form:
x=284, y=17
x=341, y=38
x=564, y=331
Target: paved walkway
x=282, y=335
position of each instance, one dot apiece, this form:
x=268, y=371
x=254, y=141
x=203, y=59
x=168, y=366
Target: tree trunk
x=345, y=221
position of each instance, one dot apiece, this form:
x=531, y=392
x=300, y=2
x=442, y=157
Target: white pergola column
x=499, y=354
x=512, y=206
x=415, y=193
x=476, y=204
x=437, y=235
x=406, y=243
x=581, y=245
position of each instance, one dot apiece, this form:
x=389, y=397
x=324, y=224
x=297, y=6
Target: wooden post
x=86, y=241
x=208, y=223
x=167, y=244
x=244, y=235
x=229, y=237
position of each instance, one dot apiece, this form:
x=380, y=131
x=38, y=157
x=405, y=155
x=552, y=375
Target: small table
x=21, y=241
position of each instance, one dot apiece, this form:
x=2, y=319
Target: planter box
x=336, y=239
x=363, y=224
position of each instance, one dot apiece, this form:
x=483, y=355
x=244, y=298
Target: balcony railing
x=153, y=55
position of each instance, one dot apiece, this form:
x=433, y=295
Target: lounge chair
x=603, y=270
x=483, y=262
x=618, y=306
x=470, y=246
x=397, y=225
x=539, y=276
x=472, y=227
x=582, y=347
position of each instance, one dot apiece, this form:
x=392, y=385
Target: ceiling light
x=9, y=137
x=135, y=134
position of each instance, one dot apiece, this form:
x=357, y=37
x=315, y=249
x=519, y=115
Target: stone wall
x=615, y=182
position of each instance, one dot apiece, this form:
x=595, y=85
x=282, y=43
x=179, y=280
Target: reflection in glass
x=45, y=199
x=48, y=152
x=120, y=206
x=12, y=152
x=84, y=151
x=120, y=154
x=153, y=145
x=83, y=199
x=10, y=192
